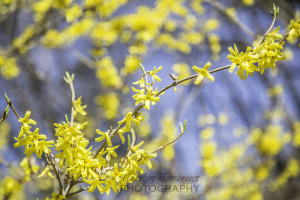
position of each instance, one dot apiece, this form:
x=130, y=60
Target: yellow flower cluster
x=12, y=188
x=110, y=104
x=291, y=171
x=272, y=141
x=75, y=155
x=32, y=141
x=107, y=73
x=146, y=95
x=264, y=55
x=9, y=67
x=294, y=33
x=29, y=167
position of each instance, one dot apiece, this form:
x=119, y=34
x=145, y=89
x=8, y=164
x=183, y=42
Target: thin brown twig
x=60, y=188
x=268, y=31
x=129, y=151
x=145, y=75
x=169, y=143
x=9, y=102
x=285, y=36
x=78, y=191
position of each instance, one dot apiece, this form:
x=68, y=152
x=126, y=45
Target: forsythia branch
x=183, y=129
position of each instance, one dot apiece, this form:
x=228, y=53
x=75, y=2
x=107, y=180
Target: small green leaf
x=66, y=80
x=66, y=117
x=183, y=127
x=275, y=11
x=5, y=113
x=8, y=100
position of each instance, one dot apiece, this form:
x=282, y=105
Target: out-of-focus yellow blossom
x=288, y=54
x=203, y=73
x=262, y=172
x=249, y=2
x=196, y=5
x=286, y=138
x=138, y=196
x=104, y=33
x=207, y=133
x=182, y=70
x=291, y=171
x=4, y=133
x=212, y=166
x=8, y=67
x=296, y=139
x=12, y=188
x=270, y=142
x=255, y=135
x=61, y=4
x=208, y=149
x=40, y=8
x=77, y=29
x=73, y=13
x=168, y=132
x=275, y=90
x=29, y=167
x=239, y=131
x=20, y=42
x=53, y=39
x=192, y=37
x=190, y=22
x=107, y=72
x=107, y=8
x=294, y=33
x=144, y=129
x=215, y=46
x=276, y=114
x=170, y=25
x=206, y=119
x=131, y=64
x=222, y=119
x=231, y=12
x=110, y=104
x=211, y=25
x=137, y=49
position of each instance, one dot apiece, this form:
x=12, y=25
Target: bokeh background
x=102, y=42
